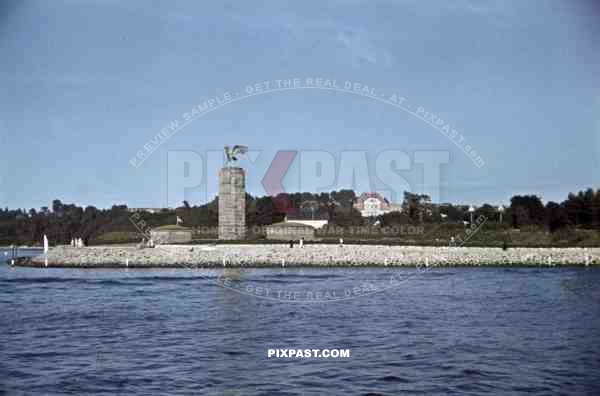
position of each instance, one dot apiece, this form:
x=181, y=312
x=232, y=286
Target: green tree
x=557, y=216
x=527, y=210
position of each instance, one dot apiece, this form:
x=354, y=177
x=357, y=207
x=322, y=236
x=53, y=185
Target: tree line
x=62, y=221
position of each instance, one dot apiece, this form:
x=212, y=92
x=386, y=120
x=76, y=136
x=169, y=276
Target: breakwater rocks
x=309, y=255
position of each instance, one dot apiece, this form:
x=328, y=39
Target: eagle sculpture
x=232, y=155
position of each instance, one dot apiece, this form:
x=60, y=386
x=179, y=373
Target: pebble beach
x=278, y=255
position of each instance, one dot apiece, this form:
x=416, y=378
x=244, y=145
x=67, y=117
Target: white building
x=373, y=204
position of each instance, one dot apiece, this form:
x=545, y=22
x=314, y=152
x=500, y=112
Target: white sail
x=45, y=244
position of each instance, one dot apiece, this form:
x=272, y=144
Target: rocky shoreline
x=276, y=255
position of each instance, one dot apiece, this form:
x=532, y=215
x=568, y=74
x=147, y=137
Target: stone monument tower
x=232, y=196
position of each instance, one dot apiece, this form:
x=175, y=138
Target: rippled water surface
x=446, y=331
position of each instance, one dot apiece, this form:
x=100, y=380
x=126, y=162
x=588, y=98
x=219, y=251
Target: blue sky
x=87, y=83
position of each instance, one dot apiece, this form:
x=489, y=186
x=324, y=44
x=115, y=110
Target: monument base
x=171, y=236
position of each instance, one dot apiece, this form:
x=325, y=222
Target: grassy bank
x=418, y=235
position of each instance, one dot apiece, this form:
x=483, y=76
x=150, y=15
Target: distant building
x=294, y=229
x=171, y=234
x=316, y=224
x=372, y=204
